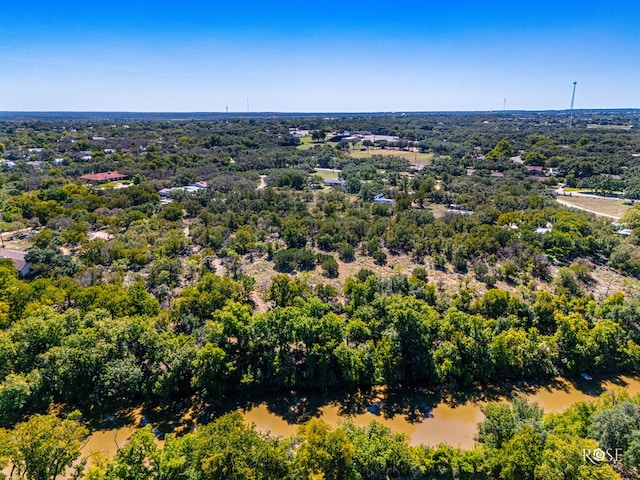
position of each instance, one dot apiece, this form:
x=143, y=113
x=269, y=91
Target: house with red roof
x=103, y=177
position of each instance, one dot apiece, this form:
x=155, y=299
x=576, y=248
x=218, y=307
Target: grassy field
x=114, y=185
x=357, y=152
x=310, y=145
x=327, y=173
x=305, y=146
x=306, y=143
x=609, y=207
x=414, y=158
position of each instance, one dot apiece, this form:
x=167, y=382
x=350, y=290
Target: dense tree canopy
x=463, y=272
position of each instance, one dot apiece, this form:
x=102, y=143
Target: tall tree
x=44, y=447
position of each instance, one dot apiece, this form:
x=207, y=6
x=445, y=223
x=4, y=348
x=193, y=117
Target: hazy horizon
x=250, y=57
x=336, y=112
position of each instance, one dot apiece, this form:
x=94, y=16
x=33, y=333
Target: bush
x=306, y=259
x=346, y=253
x=172, y=212
x=439, y=262
x=508, y=270
x=285, y=260
x=294, y=258
x=480, y=269
x=421, y=274
x=626, y=258
x=379, y=257
x=566, y=283
x=460, y=262
x=329, y=265
x=325, y=242
x=165, y=271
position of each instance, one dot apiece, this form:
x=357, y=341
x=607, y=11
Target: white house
x=380, y=198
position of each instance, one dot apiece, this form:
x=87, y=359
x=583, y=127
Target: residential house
x=453, y=208
x=335, y=182
x=536, y=172
x=97, y=178
x=546, y=229
x=193, y=188
x=18, y=258
x=380, y=198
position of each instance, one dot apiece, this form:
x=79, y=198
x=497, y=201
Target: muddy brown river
x=424, y=418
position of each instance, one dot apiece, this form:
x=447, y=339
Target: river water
x=429, y=421
x=424, y=417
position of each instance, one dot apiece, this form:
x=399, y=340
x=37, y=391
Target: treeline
x=597, y=441
x=109, y=347
x=181, y=152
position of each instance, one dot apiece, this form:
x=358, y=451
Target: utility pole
x=573, y=97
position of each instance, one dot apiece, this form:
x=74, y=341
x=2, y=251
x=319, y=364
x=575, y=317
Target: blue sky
x=318, y=56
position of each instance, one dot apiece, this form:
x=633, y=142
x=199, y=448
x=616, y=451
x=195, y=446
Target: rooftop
x=17, y=257
x=103, y=177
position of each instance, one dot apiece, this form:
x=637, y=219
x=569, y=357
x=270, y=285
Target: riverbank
x=424, y=417
x=427, y=418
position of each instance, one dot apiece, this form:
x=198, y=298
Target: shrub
x=346, y=252
x=379, y=257
x=329, y=265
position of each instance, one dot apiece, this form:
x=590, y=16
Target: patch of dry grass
x=447, y=281
x=605, y=282
x=610, y=207
x=327, y=172
x=412, y=157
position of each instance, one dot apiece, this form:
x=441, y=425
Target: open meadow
x=607, y=207
x=415, y=158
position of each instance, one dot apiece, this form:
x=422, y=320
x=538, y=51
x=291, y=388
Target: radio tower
x=573, y=97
